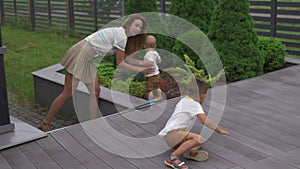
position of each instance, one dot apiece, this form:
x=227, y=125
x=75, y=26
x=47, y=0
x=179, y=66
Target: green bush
x=273, y=51
x=232, y=34
x=138, y=6
x=201, y=73
x=180, y=49
x=130, y=87
x=198, y=12
x=184, y=75
x=106, y=69
x=106, y=72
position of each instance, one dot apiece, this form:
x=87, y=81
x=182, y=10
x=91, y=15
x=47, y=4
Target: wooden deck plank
x=253, y=136
x=270, y=151
x=289, y=75
x=83, y=155
x=115, y=161
x=135, y=130
x=37, y=156
x=3, y=163
x=237, y=147
x=132, y=150
x=218, y=162
x=59, y=154
x=275, y=163
x=275, y=98
x=234, y=157
x=295, y=154
x=237, y=167
x=262, y=114
x=154, y=130
x=259, y=125
x=267, y=119
x=17, y=159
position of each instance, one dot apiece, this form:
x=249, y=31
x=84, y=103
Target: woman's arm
x=138, y=62
x=120, y=57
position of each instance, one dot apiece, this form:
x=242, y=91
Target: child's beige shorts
x=175, y=137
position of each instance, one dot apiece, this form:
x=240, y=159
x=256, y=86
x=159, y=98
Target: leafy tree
x=231, y=32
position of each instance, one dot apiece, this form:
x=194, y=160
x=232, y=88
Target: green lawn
x=28, y=51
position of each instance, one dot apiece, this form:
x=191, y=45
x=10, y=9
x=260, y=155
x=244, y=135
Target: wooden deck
x=262, y=114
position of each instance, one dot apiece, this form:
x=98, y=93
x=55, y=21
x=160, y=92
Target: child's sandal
x=199, y=156
x=176, y=163
x=45, y=126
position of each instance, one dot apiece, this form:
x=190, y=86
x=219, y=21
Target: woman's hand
x=147, y=70
x=146, y=63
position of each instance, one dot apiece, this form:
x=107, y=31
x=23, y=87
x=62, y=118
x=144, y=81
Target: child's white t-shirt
x=153, y=56
x=184, y=115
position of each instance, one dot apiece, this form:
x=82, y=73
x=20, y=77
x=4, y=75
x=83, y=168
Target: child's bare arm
x=209, y=123
x=158, y=60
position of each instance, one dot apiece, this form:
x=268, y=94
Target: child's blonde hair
x=150, y=41
x=200, y=87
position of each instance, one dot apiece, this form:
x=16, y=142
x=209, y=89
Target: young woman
x=123, y=41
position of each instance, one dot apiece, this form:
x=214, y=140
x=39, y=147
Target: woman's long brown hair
x=135, y=43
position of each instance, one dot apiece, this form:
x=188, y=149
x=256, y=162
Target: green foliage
x=180, y=49
x=232, y=34
x=138, y=6
x=184, y=75
x=201, y=73
x=198, y=12
x=130, y=87
x=273, y=51
x=106, y=72
x=106, y=69
x=137, y=89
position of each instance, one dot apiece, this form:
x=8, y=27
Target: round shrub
x=232, y=34
x=273, y=51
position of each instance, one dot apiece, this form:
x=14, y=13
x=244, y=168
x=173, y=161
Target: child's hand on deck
x=225, y=132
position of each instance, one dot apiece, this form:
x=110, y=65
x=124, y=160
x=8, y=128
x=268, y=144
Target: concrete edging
x=48, y=83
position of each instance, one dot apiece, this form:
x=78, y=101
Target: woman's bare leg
x=93, y=99
x=60, y=99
